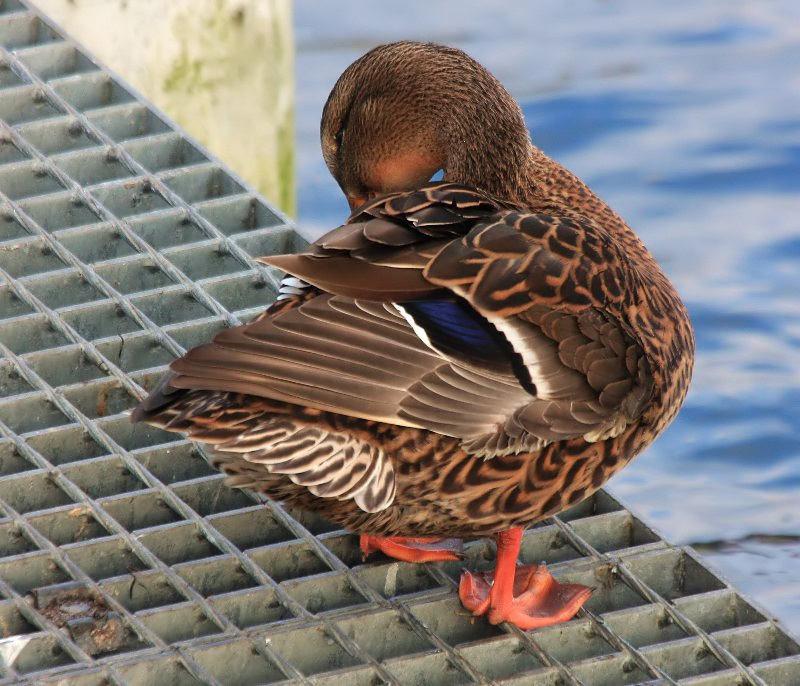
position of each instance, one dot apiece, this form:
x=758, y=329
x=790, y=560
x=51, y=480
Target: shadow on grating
x=124, y=558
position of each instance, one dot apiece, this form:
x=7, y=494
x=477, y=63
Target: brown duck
x=461, y=358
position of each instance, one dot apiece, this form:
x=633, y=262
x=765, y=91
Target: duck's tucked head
x=406, y=110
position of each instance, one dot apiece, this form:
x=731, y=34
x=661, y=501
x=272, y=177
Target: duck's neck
x=549, y=187
x=504, y=163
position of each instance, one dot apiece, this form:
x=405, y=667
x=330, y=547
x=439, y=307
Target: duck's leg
x=527, y=596
x=409, y=549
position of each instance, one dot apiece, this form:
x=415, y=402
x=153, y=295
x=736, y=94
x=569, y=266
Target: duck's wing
x=441, y=309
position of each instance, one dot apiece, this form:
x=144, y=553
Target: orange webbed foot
x=413, y=549
x=537, y=599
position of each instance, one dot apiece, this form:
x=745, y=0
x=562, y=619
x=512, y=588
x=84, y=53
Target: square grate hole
x=11, y=382
x=573, y=641
x=312, y=650
x=205, y=260
x=178, y=622
x=140, y=590
x=140, y=510
x=27, y=257
x=105, y=558
x=331, y=591
x=62, y=445
x=134, y=274
x=56, y=59
x=208, y=495
x=162, y=670
x=58, y=211
x=12, y=623
x=8, y=78
x=90, y=90
x=251, y=607
x=32, y=491
x=38, y=652
x=614, y=531
x=313, y=521
x=613, y=670
x=757, y=644
x=128, y=120
x=11, y=305
x=239, y=293
x=178, y=542
x=24, y=104
x=397, y=578
x=190, y=334
x=684, y=658
x=166, y=229
x=240, y=215
x=164, y=151
x=611, y=593
x=289, y=560
x=13, y=540
x=170, y=306
x=240, y=658
x=99, y=320
x=384, y=635
x=221, y=574
x=11, y=461
x=644, y=625
x=52, y=136
x=31, y=412
x=538, y=545
x=103, y=476
x=67, y=365
x=179, y=462
x=446, y=618
x=20, y=29
x=128, y=198
x=719, y=610
x=251, y=528
x=673, y=574
x=135, y=352
x=270, y=241
x=92, y=166
x=31, y=570
x=10, y=227
x=70, y=524
x=65, y=288
x=501, y=657
x=26, y=334
x=25, y=179
x=132, y=436
x=346, y=547
x=201, y=182
x=96, y=243
x=419, y=668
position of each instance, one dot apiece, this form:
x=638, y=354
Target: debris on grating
x=91, y=624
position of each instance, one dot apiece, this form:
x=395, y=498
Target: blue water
x=685, y=117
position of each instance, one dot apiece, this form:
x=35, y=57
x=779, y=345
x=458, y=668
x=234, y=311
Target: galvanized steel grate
x=125, y=559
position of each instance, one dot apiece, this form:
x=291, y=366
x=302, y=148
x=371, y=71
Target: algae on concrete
x=222, y=69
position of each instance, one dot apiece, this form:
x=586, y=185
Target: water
x=685, y=117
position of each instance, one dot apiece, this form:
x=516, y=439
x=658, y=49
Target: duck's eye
x=338, y=138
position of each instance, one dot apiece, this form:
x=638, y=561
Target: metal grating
x=124, y=558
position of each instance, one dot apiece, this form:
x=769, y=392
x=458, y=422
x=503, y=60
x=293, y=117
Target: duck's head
x=406, y=110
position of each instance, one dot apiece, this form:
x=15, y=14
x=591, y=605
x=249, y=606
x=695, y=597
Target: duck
x=463, y=357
